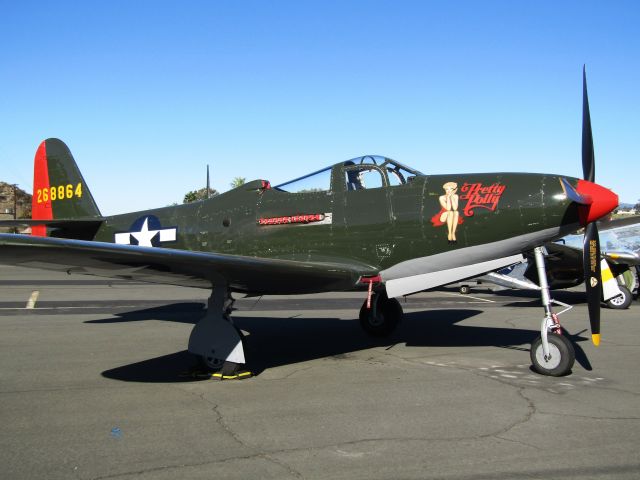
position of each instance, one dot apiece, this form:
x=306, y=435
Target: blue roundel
x=153, y=223
x=148, y=231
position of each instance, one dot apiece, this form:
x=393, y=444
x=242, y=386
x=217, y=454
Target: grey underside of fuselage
x=411, y=272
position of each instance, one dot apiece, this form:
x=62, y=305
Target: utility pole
x=15, y=201
x=208, y=187
x=15, y=205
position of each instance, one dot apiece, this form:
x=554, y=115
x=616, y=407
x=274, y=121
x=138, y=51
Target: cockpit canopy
x=369, y=171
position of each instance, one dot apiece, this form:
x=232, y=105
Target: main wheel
x=210, y=363
x=622, y=301
x=465, y=289
x=221, y=367
x=388, y=314
x=213, y=364
x=561, y=356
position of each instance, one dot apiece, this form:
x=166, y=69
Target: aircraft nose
x=603, y=201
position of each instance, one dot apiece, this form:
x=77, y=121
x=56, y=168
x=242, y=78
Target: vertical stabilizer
x=59, y=190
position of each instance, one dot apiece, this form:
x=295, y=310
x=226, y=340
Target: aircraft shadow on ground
x=277, y=341
x=184, y=312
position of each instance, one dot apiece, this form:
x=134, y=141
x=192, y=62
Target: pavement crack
x=219, y=418
x=220, y=421
x=517, y=442
x=291, y=374
x=590, y=417
x=511, y=323
x=254, y=453
x=215, y=408
x=264, y=456
x=282, y=464
x=531, y=407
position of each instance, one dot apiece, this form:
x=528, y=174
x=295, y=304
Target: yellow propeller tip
x=595, y=338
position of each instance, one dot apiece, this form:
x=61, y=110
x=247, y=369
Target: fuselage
x=396, y=215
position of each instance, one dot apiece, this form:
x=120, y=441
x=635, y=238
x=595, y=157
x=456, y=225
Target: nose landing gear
x=551, y=353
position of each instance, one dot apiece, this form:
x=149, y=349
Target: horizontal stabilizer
x=77, y=228
x=56, y=223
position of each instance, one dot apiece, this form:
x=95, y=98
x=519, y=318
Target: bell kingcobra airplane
x=369, y=224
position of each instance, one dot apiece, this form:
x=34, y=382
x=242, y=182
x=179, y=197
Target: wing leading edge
x=180, y=267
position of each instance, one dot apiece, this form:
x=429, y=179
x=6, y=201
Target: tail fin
x=59, y=190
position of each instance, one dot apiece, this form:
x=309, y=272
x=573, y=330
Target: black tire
x=210, y=364
x=388, y=315
x=621, y=301
x=221, y=367
x=465, y=289
x=562, y=357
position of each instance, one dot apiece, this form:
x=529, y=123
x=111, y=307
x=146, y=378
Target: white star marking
x=146, y=236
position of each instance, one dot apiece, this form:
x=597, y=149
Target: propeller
x=591, y=250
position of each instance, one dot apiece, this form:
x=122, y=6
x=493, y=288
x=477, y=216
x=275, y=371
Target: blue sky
x=147, y=93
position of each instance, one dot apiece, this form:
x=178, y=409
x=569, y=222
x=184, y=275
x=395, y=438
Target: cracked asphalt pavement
x=91, y=388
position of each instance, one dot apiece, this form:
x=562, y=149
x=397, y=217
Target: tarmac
x=92, y=386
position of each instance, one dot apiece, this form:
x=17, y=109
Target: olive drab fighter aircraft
x=369, y=224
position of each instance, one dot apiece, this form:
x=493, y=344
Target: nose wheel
x=551, y=353
x=558, y=361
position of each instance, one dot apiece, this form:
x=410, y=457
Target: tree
x=195, y=195
x=237, y=181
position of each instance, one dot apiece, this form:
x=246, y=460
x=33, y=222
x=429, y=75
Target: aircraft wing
x=619, y=223
x=513, y=279
x=617, y=255
x=622, y=257
x=180, y=267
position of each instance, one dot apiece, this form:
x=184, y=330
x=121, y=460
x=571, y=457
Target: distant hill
x=23, y=202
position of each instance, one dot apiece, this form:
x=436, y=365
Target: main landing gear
x=216, y=341
x=622, y=301
x=379, y=314
x=551, y=353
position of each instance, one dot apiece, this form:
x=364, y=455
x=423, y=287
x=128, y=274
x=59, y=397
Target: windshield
x=320, y=181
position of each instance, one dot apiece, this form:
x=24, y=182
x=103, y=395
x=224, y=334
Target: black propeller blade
x=591, y=263
x=588, y=158
x=591, y=250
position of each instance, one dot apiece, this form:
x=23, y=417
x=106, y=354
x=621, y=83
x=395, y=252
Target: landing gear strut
x=215, y=340
x=551, y=353
x=380, y=315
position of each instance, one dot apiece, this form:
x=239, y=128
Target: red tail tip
x=40, y=203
